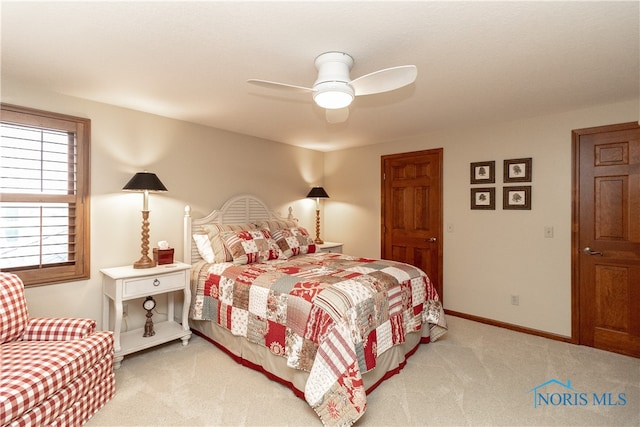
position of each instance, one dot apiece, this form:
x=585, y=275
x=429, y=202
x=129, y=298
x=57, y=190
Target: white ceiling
x=477, y=61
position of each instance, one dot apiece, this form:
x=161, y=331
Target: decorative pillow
x=276, y=224
x=294, y=241
x=220, y=252
x=249, y=246
x=203, y=244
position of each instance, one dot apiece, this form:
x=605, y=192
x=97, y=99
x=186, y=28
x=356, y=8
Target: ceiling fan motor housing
x=333, y=67
x=332, y=89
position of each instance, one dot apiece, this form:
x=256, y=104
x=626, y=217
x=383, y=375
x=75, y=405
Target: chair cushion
x=13, y=308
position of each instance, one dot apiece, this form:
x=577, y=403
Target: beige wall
x=200, y=166
x=490, y=255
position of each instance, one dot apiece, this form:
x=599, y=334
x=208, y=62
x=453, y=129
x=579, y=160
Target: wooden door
x=412, y=211
x=606, y=238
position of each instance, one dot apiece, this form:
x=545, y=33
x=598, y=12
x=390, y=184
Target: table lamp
x=318, y=193
x=145, y=182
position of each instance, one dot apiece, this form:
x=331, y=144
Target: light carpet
x=476, y=375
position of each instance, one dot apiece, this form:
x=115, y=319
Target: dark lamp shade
x=318, y=192
x=145, y=181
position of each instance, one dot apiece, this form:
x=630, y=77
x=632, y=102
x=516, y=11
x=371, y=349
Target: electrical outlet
x=515, y=299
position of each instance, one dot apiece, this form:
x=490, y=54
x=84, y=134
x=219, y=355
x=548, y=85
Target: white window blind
x=41, y=225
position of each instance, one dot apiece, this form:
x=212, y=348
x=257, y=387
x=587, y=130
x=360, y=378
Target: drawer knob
x=156, y=282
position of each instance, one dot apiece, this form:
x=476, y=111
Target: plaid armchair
x=53, y=371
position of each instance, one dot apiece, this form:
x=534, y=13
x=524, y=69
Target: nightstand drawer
x=330, y=247
x=153, y=284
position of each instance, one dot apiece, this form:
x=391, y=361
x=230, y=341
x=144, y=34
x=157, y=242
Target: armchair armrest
x=58, y=329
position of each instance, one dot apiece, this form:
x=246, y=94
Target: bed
x=330, y=326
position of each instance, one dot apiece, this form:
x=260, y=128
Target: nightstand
x=127, y=283
x=330, y=247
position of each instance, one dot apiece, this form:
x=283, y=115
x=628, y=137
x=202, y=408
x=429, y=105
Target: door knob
x=588, y=251
x=432, y=239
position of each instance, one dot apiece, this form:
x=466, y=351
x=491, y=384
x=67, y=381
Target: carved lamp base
x=145, y=261
x=318, y=240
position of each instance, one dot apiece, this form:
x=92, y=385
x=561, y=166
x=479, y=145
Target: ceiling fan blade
x=384, y=80
x=339, y=115
x=275, y=85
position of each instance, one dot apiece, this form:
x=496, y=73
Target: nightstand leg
x=117, y=362
x=105, y=312
x=117, y=325
x=171, y=307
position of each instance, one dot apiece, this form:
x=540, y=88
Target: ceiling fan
x=334, y=90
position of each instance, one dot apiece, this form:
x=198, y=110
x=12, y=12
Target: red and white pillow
x=294, y=241
x=211, y=246
x=250, y=246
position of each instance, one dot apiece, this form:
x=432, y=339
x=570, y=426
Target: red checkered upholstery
x=58, y=329
x=52, y=371
x=13, y=308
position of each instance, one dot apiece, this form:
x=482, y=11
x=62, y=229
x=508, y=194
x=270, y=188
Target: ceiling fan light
x=333, y=95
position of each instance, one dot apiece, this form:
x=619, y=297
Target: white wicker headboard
x=239, y=209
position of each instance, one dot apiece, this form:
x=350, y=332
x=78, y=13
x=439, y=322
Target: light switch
x=548, y=231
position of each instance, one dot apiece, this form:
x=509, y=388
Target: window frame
x=81, y=267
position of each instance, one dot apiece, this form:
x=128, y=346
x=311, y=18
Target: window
x=44, y=195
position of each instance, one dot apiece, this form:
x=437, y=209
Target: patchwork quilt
x=329, y=314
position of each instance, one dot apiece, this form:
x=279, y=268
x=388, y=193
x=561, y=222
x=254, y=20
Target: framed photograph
x=483, y=198
x=483, y=172
x=516, y=197
x=517, y=170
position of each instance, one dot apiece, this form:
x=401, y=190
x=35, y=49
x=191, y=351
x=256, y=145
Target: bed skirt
x=275, y=367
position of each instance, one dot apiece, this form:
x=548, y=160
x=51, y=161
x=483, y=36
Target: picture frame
x=517, y=170
x=483, y=172
x=483, y=198
x=516, y=197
